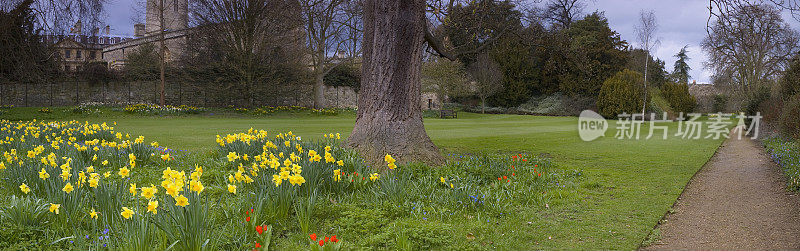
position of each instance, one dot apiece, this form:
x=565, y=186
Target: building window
x=68, y=53
x=175, y=3
x=92, y=54
x=78, y=54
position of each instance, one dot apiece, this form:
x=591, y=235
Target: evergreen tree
x=681, y=72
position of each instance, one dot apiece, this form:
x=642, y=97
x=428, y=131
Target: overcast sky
x=681, y=22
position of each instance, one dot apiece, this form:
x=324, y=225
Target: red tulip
x=313, y=237
x=321, y=243
x=258, y=245
x=327, y=238
x=499, y=178
x=259, y=229
x=333, y=239
x=505, y=177
x=247, y=219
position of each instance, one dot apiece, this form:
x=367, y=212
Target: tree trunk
x=319, y=88
x=483, y=105
x=163, y=51
x=389, y=115
x=644, y=103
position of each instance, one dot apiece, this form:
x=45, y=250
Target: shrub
x=657, y=103
x=720, y=102
x=621, y=93
x=753, y=103
x=678, y=97
x=344, y=75
x=790, y=117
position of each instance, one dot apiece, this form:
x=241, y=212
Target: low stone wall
x=193, y=94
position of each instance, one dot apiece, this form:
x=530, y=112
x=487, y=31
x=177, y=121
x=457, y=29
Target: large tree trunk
x=319, y=88
x=389, y=114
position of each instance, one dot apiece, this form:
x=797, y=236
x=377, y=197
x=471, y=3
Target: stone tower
x=175, y=15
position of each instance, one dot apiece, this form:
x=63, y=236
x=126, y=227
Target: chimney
x=95, y=31
x=107, y=30
x=138, y=30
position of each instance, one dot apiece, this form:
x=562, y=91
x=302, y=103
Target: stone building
x=175, y=27
x=75, y=50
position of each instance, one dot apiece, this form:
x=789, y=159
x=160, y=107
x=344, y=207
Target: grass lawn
x=624, y=188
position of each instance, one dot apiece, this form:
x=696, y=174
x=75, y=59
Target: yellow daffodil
x=340, y=163
x=374, y=177
x=54, y=208
x=196, y=186
x=441, y=179
x=232, y=189
x=25, y=189
x=232, y=156
x=181, y=201
x=126, y=212
x=93, y=182
x=68, y=188
x=93, y=214
x=132, y=189
x=124, y=172
x=149, y=192
x=151, y=206
x=165, y=157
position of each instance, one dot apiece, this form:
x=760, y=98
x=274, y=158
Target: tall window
x=78, y=54
x=175, y=4
x=68, y=53
x=92, y=54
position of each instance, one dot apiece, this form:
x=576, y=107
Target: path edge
x=683, y=190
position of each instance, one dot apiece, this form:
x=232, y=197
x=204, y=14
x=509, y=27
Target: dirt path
x=737, y=201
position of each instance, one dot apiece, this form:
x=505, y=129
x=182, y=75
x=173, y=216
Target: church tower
x=176, y=15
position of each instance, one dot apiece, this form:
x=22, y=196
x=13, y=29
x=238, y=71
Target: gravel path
x=737, y=201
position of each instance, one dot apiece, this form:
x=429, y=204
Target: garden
x=219, y=179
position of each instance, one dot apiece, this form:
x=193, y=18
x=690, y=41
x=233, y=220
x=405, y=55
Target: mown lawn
x=624, y=188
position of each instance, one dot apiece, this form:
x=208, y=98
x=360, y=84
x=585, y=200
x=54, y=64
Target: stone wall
x=203, y=95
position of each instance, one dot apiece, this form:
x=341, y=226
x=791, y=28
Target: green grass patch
x=606, y=194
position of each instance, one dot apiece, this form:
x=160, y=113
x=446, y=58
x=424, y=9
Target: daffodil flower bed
x=86, y=186
x=149, y=109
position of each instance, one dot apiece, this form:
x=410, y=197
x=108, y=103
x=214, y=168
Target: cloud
x=680, y=23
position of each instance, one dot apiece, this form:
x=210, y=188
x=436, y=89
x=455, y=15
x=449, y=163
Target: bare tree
x=562, y=13
x=445, y=78
x=330, y=27
x=245, y=43
x=750, y=44
x=488, y=78
x=646, y=34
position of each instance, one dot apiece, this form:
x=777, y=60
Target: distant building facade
x=75, y=50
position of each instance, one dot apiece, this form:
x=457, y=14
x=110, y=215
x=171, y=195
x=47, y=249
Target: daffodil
x=25, y=189
x=374, y=177
x=54, y=208
x=124, y=172
x=93, y=214
x=149, y=192
x=196, y=186
x=151, y=206
x=232, y=156
x=181, y=201
x=340, y=163
x=441, y=179
x=232, y=189
x=132, y=189
x=93, y=182
x=165, y=157
x=126, y=212
x=68, y=188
